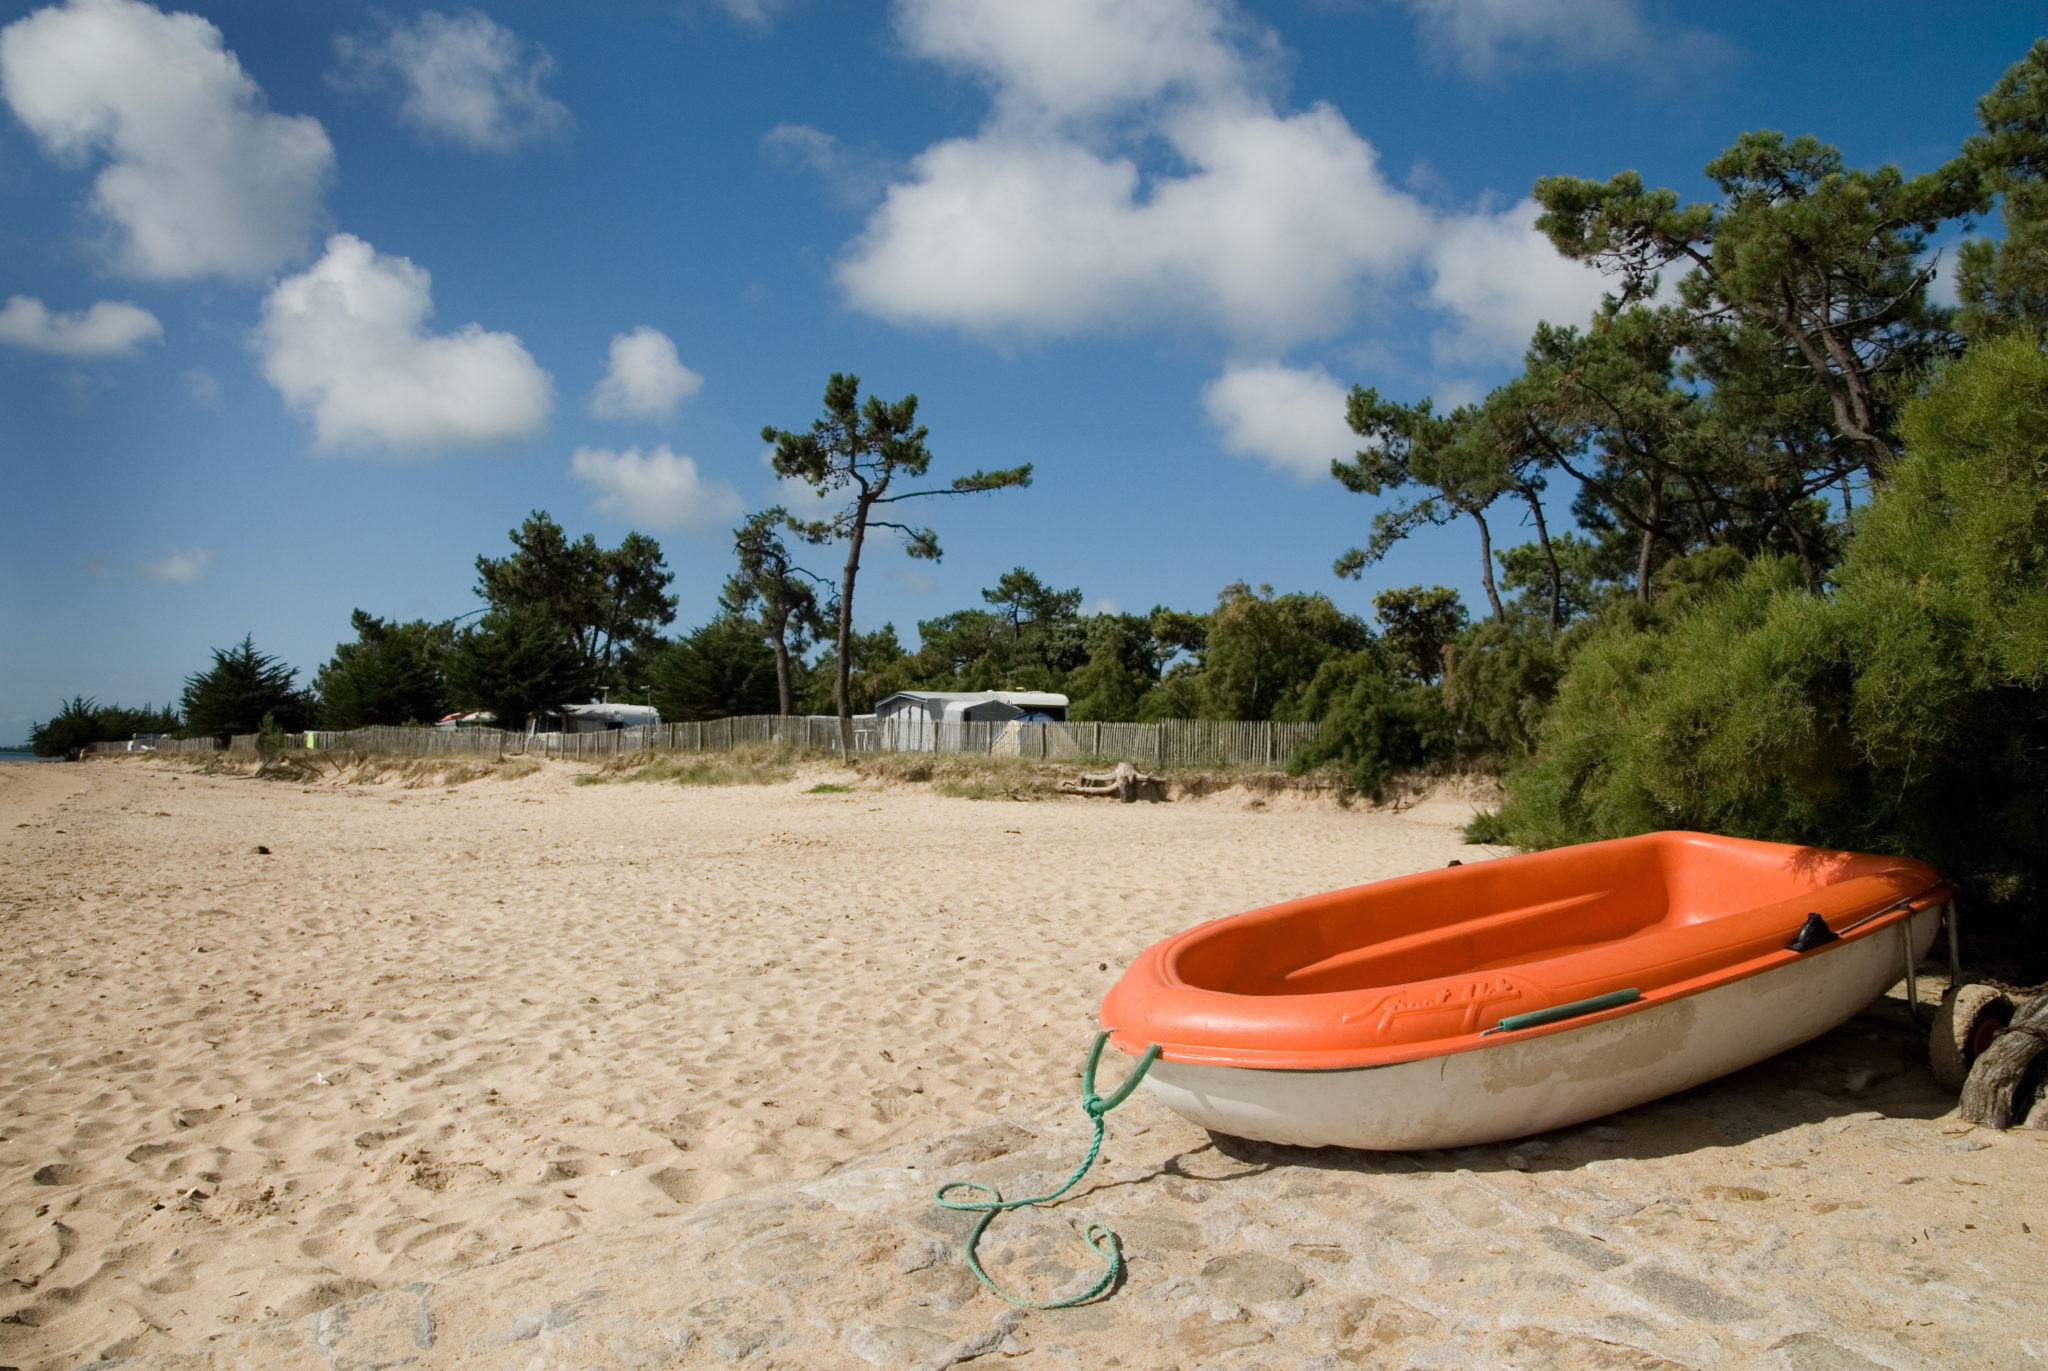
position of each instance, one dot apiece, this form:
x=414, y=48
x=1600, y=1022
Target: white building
x=942, y=720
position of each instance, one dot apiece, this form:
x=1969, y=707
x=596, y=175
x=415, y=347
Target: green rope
x=1099, y=1239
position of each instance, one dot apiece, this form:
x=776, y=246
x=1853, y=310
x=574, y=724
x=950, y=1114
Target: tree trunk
x=1550, y=556
x=1486, y=565
x=1790, y=520
x=1649, y=539
x=842, y=689
x=778, y=638
x=1848, y=389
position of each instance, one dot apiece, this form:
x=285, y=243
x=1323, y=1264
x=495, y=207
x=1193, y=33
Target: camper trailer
x=599, y=716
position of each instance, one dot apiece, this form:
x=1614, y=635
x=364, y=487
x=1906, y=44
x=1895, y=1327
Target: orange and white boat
x=1502, y=998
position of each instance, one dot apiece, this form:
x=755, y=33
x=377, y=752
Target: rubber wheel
x=1969, y=1018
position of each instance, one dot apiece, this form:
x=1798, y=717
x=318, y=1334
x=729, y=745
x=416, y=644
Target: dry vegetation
x=747, y=764
x=966, y=776
x=351, y=768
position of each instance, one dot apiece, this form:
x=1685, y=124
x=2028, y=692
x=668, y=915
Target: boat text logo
x=1467, y=999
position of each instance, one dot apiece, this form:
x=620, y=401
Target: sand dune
x=432, y=1025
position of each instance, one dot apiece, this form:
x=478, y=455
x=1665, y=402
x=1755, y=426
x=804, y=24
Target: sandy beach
x=275, y=1047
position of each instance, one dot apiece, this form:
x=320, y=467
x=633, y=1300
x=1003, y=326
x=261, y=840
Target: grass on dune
x=747, y=764
x=416, y=772
x=357, y=769
x=979, y=776
x=957, y=775
x=969, y=775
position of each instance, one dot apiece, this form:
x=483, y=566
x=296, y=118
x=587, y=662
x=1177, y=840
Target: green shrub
x=1372, y=722
x=1499, y=679
x=1903, y=713
x=1486, y=827
x=1725, y=715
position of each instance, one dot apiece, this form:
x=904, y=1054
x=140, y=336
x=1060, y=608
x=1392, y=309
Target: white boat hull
x=1526, y=1085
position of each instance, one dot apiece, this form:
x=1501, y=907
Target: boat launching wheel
x=1970, y=1018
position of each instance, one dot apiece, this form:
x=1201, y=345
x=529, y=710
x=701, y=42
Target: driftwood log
x=1994, y=1095
x=1126, y=783
x=289, y=766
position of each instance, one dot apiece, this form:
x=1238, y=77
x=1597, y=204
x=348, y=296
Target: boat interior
x=1644, y=912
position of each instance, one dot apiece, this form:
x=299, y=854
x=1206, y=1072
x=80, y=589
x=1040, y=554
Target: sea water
x=21, y=754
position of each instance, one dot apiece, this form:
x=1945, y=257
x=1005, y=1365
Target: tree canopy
x=391, y=674
x=610, y=603
x=776, y=596
x=859, y=451
x=1262, y=649
x=2003, y=283
x=720, y=670
x=79, y=722
x=241, y=690
x=1822, y=261
x=517, y=662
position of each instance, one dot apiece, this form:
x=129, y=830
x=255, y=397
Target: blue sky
x=308, y=304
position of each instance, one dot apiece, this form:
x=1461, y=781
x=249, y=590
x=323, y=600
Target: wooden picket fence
x=1170, y=742
x=158, y=745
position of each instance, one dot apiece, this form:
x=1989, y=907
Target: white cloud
x=200, y=179
x=798, y=496
x=1103, y=604
x=345, y=343
x=646, y=379
x=754, y=14
x=201, y=388
x=801, y=145
x=1269, y=225
x=1500, y=277
x=1135, y=169
x=1476, y=33
x=179, y=566
x=465, y=80
x=108, y=329
x=1288, y=417
x=1942, y=289
x=804, y=501
x=1268, y=237
x=659, y=489
x=1481, y=35
x=1082, y=59
x=1457, y=391
x=856, y=175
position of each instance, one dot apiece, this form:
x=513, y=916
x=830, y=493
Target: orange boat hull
x=1293, y=1023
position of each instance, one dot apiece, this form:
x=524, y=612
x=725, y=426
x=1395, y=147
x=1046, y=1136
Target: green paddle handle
x=1537, y=1017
